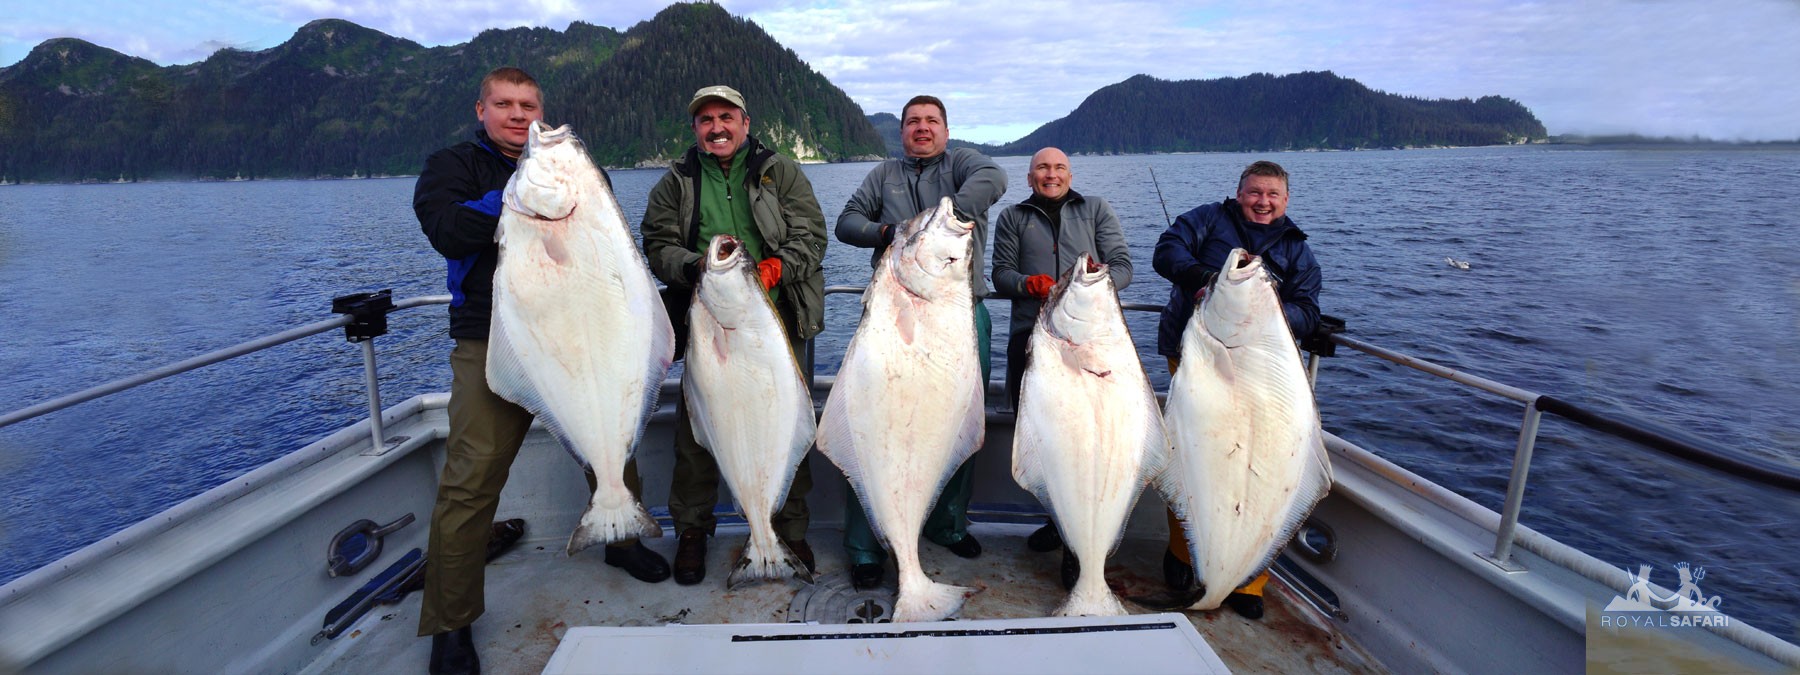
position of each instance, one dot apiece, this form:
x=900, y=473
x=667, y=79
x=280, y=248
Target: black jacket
x=449, y=200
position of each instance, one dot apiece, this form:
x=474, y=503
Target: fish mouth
x=1240, y=265
x=725, y=250
x=1092, y=271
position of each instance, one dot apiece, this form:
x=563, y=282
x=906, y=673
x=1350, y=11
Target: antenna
x=1159, y=198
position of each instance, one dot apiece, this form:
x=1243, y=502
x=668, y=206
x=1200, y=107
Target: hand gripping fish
x=1247, y=460
x=747, y=401
x=907, y=408
x=1089, y=433
x=579, y=337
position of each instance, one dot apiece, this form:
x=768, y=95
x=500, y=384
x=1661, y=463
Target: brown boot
x=690, y=557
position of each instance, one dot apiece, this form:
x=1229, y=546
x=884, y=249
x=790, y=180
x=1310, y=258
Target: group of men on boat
x=728, y=183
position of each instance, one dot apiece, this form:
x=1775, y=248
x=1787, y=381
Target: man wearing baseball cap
x=728, y=183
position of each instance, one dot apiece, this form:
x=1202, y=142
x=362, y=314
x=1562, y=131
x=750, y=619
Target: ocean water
x=1657, y=282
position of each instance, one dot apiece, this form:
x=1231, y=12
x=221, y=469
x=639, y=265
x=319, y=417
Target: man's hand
x=1039, y=285
x=887, y=234
x=769, y=270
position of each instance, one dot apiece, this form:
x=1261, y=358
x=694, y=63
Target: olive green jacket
x=786, y=213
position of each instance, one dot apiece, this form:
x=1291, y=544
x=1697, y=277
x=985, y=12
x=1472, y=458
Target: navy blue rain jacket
x=1199, y=241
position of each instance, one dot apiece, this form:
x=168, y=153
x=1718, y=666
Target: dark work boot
x=1045, y=539
x=642, y=563
x=1071, y=569
x=453, y=653
x=690, y=557
x=1178, y=575
x=966, y=547
x=1246, y=605
x=866, y=576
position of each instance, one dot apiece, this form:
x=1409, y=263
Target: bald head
x=1049, y=174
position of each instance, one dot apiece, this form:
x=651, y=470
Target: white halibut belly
x=1247, y=450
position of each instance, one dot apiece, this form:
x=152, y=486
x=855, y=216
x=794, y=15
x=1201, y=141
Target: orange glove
x=770, y=272
x=1039, y=285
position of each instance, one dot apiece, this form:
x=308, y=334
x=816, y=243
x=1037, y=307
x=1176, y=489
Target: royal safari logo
x=1685, y=607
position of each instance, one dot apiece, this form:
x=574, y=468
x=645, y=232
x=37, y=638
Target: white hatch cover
x=1148, y=643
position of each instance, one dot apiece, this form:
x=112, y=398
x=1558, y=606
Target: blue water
x=1659, y=282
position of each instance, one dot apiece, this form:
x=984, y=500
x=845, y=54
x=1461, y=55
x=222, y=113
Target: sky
x=1682, y=68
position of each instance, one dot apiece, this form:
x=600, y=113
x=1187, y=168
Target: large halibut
x=747, y=401
x=1089, y=433
x=907, y=408
x=580, y=337
x=1248, y=461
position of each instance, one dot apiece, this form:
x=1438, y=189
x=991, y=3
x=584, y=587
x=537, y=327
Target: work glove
x=887, y=235
x=769, y=270
x=1039, y=285
x=691, y=272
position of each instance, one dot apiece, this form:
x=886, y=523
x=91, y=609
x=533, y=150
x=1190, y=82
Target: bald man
x=1036, y=241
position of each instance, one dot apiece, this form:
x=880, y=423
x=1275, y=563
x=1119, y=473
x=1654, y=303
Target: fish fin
x=1097, y=600
x=605, y=526
x=506, y=377
x=836, y=439
x=905, y=320
x=927, y=600
x=759, y=563
x=662, y=355
x=1028, y=456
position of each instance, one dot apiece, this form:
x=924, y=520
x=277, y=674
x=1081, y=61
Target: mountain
x=339, y=99
x=1312, y=110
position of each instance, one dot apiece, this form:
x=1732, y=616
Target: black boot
x=966, y=547
x=453, y=653
x=1178, y=575
x=1045, y=539
x=690, y=557
x=640, y=562
x=866, y=576
x=1246, y=605
x=1071, y=569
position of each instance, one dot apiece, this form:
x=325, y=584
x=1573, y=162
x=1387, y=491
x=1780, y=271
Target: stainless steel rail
x=1751, y=469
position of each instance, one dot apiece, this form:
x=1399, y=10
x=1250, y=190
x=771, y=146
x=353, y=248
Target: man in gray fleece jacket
x=1036, y=241
x=894, y=191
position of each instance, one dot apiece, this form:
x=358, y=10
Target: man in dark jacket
x=728, y=183
x=1036, y=241
x=1190, y=254
x=458, y=202
x=895, y=191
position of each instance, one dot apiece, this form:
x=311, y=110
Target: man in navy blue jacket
x=1190, y=254
x=458, y=202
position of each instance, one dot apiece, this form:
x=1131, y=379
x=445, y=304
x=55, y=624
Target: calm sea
x=1659, y=282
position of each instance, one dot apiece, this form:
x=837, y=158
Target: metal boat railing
x=1669, y=442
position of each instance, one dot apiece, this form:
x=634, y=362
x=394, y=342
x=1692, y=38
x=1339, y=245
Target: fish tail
x=1213, y=597
x=604, y=526
x=766, y=557
x=1091, y=599
x=922, y=599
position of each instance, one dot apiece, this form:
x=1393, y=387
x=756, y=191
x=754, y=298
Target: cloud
x=1659, y=67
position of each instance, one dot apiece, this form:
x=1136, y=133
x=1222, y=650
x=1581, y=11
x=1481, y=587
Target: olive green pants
x=485, y=434
x=694, y=492
x=948, y=521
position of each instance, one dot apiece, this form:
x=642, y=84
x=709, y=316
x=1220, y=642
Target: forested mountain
x=339, y=100
x=1313, y=110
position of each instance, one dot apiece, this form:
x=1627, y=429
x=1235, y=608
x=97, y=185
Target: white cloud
x=1660, y=67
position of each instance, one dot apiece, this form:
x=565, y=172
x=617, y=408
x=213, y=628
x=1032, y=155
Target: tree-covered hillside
x=339, y=100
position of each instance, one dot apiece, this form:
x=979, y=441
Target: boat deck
x=535, y=594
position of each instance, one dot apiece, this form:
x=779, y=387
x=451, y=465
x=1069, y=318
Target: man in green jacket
x=1036, y=241
x=894, y=191
x=728, y=183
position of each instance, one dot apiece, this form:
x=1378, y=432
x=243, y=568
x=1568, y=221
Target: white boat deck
x=536, y=594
